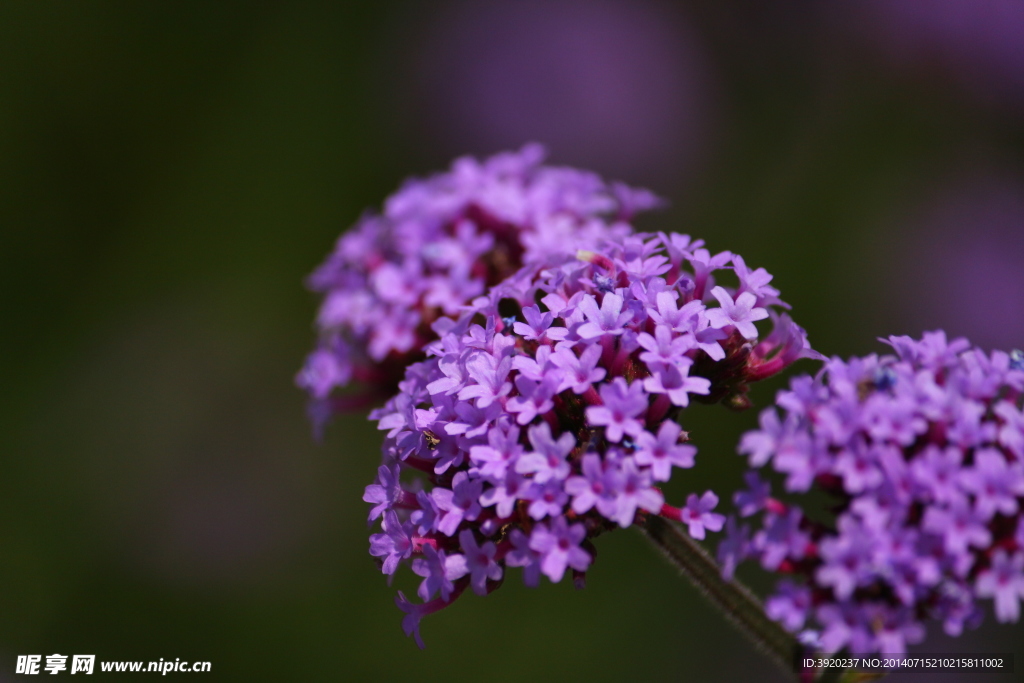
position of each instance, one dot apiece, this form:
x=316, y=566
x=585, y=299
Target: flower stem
x=735, y=600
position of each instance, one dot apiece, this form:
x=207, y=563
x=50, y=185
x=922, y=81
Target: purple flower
x=663, y=451
x=663, y=349
x=489, y=375
x=547, y=499
x=697, y=514
x=547, y=461
x=393, y=545
x=506, y=492
x=752, y=500
x=622, y=404
x=559, y=548
x=479, y=562
x=536, y=325
x=635, y=491
x=501, y=452
x=522, y=555
x=609, y=319
x=438, y=572
x=385, y=494
x=673, y=381
x=1004, y=582
x=848, y=559
x=1011, y=432
x=960, y=525
x=580, y=372
x=414, y=614
x=754, y=281
x=995, y=483
x=734, y=548
x=324, y=370
x=790, y=605
x=535, y=398
x=595, y=488
x=741, y=313
x=459, y=503
x=781, y=539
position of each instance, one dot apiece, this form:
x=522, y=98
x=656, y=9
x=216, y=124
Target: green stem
x=735, y=600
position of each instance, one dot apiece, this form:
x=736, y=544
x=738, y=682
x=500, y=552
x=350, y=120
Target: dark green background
x=169, y=172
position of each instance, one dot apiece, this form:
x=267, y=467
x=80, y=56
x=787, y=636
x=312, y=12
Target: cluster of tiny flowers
x=923, y=454
x=546, y=414
x=439, y=243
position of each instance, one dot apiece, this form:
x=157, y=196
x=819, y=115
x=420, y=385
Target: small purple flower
x=522, y=555
x=547, y=499
x=790, y=605
x=384, y=494
x=1011, y=433
x=848, y=559
x=673, y=381
x=960, y=525
x=426, y=516
x=501, y=452
x=697, y=514
x=535, y=398
x=324, y=370
x=623, y=403
x=479, y=561
x=489, y=373
x=414, y=614
x=393, y=545
x=734, y=548
x=438, y=572
x=580, y=372
x=754, y=498
x=459, y=503
x=663, y=451
x=595, y=488
x=995, y=484
x=741, y=313
x=635, y=491
x=548, y=459
x=559, y=548
x=536, y=324
x=663, y=349
x=1004, y=582
x=609, y=319
x=506, y=492
x=781, y=539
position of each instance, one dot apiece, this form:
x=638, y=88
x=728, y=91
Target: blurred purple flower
x=938, y=525
x=978, y=42
x=962, y=263
x=616, y=85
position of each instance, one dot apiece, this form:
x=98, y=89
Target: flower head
x=921, y=451
x=440, y=242
x=534, y=419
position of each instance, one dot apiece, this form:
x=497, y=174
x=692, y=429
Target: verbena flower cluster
x=923, y=453
x=439, y=243
x=546, y=414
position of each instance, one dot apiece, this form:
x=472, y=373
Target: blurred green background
x=169, y=173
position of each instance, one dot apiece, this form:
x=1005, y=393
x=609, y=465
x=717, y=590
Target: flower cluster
x=923, y=453
x=439, y=243
x=546, y=414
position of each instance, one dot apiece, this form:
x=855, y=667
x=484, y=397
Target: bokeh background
x=169, y=172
